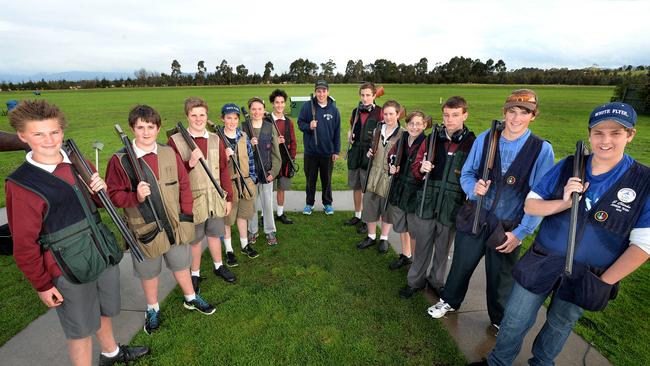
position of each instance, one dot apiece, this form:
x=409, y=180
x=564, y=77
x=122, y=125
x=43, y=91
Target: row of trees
x=456, y=70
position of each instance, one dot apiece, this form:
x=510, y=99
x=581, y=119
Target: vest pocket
x=111, y=247
x=585, y=289
x=538, y=271
x=78, y=257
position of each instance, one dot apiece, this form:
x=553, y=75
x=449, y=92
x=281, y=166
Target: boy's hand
x=393, y=169
x=51, y=298
x=228, y=208
x=97, y=183
x=481, y=187
x=143, y=190
x=195, y=157
x=369, y=154
x=313, y=124
x=229, y=152
x=269, y=178
x=254, y=141
x=573, y=185
x=426, y=166
x=511, y=243
x=335, y=157
x=280, y=139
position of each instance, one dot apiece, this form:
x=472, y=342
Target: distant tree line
x=456, y=70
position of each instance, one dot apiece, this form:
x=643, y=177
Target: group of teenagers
x=424, y=187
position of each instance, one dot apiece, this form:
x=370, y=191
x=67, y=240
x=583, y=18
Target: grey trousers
x=433, y=243
x=264, y=202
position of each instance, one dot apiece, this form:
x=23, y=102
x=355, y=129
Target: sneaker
x=271, y=239
x=224, y=273
x=125, y=355
x=439, y=309
x=400, y=262
x=199, y=305
x=352, y=221
x=307, y=210
x=252, y=238
x=151, y=321
x=249, y=251
x=284, y=219
x=366, y=242
x=482, y=362
x=329, y=210
x=196, y=282
x=408, y=291
x=231, y=260
x=383, y=246
x=362, y=229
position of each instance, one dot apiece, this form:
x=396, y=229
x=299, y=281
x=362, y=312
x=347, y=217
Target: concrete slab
x=3, y=215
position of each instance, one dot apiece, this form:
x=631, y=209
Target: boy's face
x=453, y=119
x=146, y=134
x=517, y=120
x=415, y=126
x=197, y=118
x=366, y=96
x=608, y=140
x=279, y=104
x=257, y=110
x=44, y=138
x=321, y=95
x=390, y=116
x=231, y=121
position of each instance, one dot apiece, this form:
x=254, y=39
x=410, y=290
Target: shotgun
x=247, y=125
x=139, y=177
x=313, y=116
x=399, y=153
x=431, y=156
x=294, y=167
x=192, y=145
x=219, y=131
x=493, y=141
x=579, y=164
x=81, y=165
x=354, y=124
x=376, y=135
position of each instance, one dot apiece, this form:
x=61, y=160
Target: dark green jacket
x=357, y=158
x=405, y=185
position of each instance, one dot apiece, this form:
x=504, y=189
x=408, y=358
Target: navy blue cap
x=321, y=84
x=616, y=111
x=229, y=108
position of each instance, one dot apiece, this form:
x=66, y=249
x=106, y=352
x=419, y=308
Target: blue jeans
x=520, y=315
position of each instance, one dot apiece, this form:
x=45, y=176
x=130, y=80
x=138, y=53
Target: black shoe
x=383, y=246
x=126, y=355
x=151, y=321
x=408, y=291
x=482, y=362
x=249, y=251
x=400, y=262
x=196, y=282
x=224, y=273
x=362, y=229
x=284, y=219
x=200, y=305
x=366, y=242
x=353, y=221
x=231, y=260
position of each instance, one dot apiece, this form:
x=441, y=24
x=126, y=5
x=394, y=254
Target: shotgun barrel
x=192, y=145
x=433, y=139
x=493, y=140
x=578, y=171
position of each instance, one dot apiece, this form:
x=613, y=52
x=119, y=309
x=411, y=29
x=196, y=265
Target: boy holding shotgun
x=518, y=161
x=158, y=188
x=613, y=239
x=363, y=121
x=49, y=210
x=439, y=162
x=209, y=207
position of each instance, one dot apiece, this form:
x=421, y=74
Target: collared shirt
x=384, y=130
x=140, y=153
x=205, y=134
x=47, y=167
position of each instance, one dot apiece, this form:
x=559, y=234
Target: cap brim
x=527, y=105
x=621, y=122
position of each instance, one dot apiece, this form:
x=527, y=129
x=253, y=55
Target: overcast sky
x=123, y=36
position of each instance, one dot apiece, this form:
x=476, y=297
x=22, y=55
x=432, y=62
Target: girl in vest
x=266, y=139
x=209, y=208
x=43, y=200
x=612, y=241
x=243, y=207
x=168, y=188
x=402, y=197
x=377, y=184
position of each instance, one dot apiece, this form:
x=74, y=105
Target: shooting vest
x=357, y=158
x=241, y=154
x=165, y=195
x=264, y=147
x=72, y=230
x=207, y=201
x=405, y=185
x=444, y=195
x=285, y=169
x=603, y=234
x=378, y=176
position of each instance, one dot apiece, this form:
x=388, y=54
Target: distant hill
x=67, y=75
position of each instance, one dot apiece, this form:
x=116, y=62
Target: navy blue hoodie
x=329, y=129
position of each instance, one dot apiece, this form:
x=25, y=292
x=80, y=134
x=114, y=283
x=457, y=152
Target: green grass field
x=620, y=332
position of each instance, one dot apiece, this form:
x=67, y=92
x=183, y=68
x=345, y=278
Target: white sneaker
x=439, y=310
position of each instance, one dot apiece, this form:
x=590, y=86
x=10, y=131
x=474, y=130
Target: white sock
x=228, y=244
x=155, y=306
x=112, y=354
x=383, y=237
x=218, y=264
x=196, y=273
x=407, y=256
x=189, y=298
x=280, y=210
x=357, y=214
x=372, y=236
x=243, y=242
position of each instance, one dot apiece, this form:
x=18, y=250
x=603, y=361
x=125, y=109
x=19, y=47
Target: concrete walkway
x=42, y=342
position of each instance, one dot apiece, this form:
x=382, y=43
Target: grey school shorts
x=399, y=219
x=373, y=208
x=84, y=304
x=177, y=258
x=213, y=227
x=282, y=183
x=357, y=178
